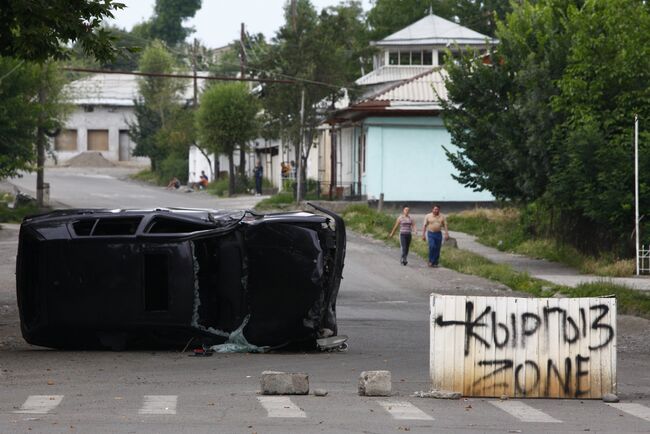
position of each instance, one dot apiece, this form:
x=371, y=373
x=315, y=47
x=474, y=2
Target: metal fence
x=644, y=259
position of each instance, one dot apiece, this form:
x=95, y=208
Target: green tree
x=167, y=21
x=226, y=120
x=545, y=124
x=38, y=30
x=22, y=115
x=388, y=16
x=32, y=109
x=593, y=180
x=322, y=52
x=498, y=112
x=157, y=107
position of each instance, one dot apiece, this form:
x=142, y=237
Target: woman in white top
x=406, y=229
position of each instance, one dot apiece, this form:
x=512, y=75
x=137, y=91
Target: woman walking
x=406, y=229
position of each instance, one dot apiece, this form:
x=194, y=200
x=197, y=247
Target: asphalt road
x=383, y=308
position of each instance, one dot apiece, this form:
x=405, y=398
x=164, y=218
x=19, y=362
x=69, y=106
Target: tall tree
x=38, y=30
x=22, y=114
x=593, y=180
x=498, y=112
x=167, y=21
x=388, y=16
x=227, y=119
x=322, y=51
x=544, y=124
x=157, y=105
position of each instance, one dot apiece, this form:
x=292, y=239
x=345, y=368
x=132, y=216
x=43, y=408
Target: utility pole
x=40, y=142
x=333, y=158
x=242, y=72
x=196, y=87
x=242, y=57
x=299, y=192
x=636, y=189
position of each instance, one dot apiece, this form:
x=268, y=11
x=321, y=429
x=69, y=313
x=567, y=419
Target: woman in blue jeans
x=406, y=229
x=434, y=223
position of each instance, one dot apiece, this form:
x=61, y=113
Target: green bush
x=173, y=166
x=15, y=215
x=220, y=187
x=146, y=175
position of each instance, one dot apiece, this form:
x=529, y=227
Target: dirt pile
x=89, y=159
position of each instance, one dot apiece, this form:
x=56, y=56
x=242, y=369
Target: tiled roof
x=388, y=73
x=113, y=89
x=433, y=30
x=427, y=88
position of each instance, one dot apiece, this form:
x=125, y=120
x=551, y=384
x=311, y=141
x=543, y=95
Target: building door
x=98, y=140
x=125, y=145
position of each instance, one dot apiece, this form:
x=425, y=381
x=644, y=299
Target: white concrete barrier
x=523, y=347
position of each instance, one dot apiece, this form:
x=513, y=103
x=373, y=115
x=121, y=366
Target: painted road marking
x=524, y=412
x=280, y=406
x=40, y=404
x=159, y=404
x=638, y=410
x=404, y=410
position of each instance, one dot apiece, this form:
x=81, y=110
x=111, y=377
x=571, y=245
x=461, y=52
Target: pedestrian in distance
x=434, y=224
x=203, y=182
x=258, y=171
x=406, y=230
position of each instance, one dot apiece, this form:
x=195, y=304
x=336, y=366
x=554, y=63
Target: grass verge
x=281, y=201
x=502, y=229
x=361, y=218
x=15, y=215
x=148, y=176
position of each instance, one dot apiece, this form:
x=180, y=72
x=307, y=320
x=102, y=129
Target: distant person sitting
x=174, y=183
x=203, y=182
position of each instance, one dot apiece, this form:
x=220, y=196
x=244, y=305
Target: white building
x=391, y=141
x=103, y=109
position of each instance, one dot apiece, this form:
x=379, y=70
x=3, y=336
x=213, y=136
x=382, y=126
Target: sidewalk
x=541, y=269
x=553, y=272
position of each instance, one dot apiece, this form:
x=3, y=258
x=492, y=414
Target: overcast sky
x=217, y=23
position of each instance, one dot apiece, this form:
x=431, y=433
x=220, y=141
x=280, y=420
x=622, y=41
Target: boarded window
x=66, y=140
x=98, y=140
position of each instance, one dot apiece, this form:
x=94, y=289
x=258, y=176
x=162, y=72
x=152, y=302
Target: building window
x=66, y=140
x=404, y=57
x=98, y=140
x=427, y=57
x=415, y=58
x=443, y=57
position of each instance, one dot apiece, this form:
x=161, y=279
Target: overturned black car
x=90, y=278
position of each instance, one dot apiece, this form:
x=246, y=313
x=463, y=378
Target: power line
x=159, y=74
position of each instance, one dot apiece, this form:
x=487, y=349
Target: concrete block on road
x=284, y=383
x=438, y=394
x=610, y=397
x=375, y=383
x=451, y=242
